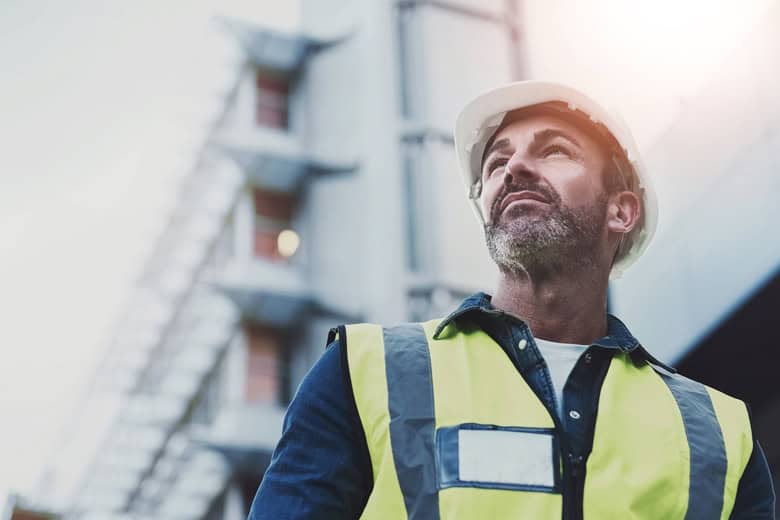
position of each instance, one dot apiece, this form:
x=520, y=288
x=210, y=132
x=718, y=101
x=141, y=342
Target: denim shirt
x=321, y=468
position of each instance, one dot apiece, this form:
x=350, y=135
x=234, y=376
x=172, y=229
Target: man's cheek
x=487, y=204
x=577, y=194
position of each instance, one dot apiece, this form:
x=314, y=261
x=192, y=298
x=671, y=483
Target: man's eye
x=555, y=150
x=494, y=165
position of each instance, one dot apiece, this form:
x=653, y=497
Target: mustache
x=547, y=193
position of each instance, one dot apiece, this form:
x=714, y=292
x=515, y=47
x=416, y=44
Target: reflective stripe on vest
x=671, y=446
x=705, y=442
x=453, y=431
x=412, y=426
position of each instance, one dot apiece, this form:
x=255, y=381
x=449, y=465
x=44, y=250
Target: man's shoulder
x=698, y=387
x=692, y=393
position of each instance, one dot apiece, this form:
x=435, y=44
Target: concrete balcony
x=275, y=160
x=284, y=51
x=270, y=293
x=246, y=435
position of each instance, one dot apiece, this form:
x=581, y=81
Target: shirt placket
x=532, y=364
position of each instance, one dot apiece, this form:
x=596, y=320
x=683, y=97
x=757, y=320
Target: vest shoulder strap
x=717, y=427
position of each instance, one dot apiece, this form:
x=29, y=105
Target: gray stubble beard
x=541, y=245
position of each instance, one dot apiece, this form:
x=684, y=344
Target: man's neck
x=568, y=308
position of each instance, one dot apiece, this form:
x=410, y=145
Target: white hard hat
x=482, y=116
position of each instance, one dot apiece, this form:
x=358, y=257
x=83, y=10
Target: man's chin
x=523, y=228
x=524, y=214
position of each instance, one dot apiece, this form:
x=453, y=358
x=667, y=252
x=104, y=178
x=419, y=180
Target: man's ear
x=623, y=211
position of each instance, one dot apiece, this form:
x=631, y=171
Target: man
x=532, y=403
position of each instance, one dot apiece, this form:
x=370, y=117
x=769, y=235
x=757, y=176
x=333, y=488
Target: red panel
x=272, y=85
x=272, y=99
x=263, y=366
x=266, y=245
x=28, y=515
x=272, y=204
x=270, y=117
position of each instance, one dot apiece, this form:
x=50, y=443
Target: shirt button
x=574, y=414
x=522, y=344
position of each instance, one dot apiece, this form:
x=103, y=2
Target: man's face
x=542, y=194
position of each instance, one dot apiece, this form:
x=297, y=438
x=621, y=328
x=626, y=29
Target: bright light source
x=288, y=242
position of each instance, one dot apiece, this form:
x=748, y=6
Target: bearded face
x=544, y=197
x=522, y=238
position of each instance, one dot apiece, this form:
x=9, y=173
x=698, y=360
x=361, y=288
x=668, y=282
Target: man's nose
x=518, y=169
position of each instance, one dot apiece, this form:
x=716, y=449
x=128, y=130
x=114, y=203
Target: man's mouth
x=521, y=195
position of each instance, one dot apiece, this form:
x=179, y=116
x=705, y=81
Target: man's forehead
x=547, y=116
x=538, y=124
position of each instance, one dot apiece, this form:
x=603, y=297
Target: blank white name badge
x=512, y=457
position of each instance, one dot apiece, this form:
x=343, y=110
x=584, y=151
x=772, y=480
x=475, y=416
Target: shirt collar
x=618, y=336
x=477, y=302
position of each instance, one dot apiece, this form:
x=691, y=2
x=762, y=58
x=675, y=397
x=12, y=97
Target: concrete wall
x=717, y=174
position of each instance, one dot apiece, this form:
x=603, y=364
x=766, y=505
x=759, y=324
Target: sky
x=102, y=110
x=644, y=59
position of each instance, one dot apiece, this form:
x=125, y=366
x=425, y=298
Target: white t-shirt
x=560, y=359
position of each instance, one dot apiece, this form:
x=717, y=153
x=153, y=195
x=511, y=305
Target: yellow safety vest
x=454, y=432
